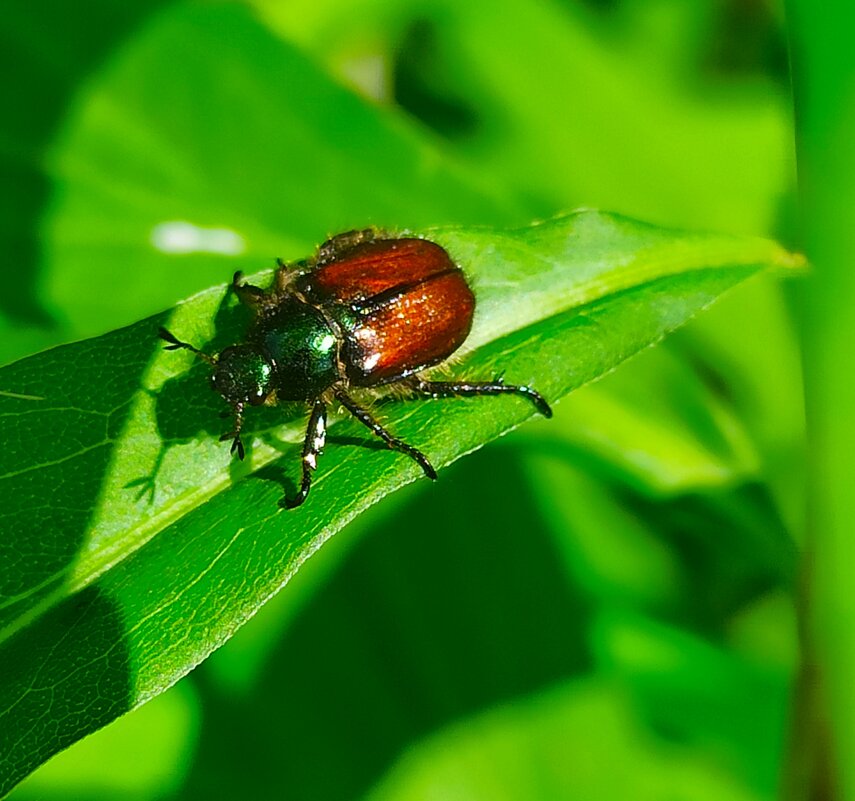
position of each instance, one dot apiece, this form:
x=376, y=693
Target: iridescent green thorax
x=303, y=347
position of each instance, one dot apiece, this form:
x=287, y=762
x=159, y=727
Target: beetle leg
x=336, y=247
x=234, y=434
x=394, y=443
x=248, y=294
x=286, y=273
x=445, y=389
x=313, y=445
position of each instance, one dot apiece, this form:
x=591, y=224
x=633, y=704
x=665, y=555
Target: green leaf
x=701, y=693
x=111, y=594
x=656, y=425
x=519, y=593
x=108, y=765
x=529, y=750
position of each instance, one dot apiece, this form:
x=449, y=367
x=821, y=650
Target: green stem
x=823, y=63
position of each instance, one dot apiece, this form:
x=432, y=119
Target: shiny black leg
x=393, y=442
x=234, y=434
x=446, y=389
x=313, y=445
x=248, y=294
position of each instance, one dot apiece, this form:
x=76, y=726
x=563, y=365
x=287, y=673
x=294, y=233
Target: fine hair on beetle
x=371, y=316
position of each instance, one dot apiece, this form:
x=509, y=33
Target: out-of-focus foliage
x=597, y=607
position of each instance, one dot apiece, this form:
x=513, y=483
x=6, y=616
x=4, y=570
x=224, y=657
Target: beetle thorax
x=303, y=347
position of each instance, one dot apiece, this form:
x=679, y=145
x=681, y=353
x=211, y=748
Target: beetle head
x=242, y=374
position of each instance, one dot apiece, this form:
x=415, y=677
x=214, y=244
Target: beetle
x=368, y=310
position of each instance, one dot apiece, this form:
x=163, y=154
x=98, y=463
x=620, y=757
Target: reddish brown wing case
x=403, y=305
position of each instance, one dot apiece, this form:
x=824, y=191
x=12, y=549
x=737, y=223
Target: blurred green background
x=596, y=607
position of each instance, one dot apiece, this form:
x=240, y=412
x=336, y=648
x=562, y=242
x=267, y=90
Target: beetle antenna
x=177, y=344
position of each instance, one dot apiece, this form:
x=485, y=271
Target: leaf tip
x=790, y=260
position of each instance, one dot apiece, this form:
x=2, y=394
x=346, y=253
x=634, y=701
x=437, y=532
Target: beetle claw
x=176, y=344
x=293, y=503
x=237, y=444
